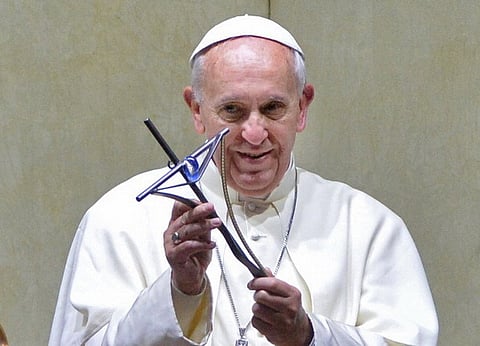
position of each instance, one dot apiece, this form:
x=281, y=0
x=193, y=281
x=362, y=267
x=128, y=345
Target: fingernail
x=216, y=222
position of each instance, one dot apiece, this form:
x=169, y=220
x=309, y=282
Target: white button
x=251, y=206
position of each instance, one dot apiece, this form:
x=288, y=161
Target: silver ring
x=176, y=238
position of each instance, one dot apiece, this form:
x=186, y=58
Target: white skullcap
x=246, y=26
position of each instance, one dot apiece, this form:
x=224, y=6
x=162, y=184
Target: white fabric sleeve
x=194, y=312
x=116, y=288
x=330, y=333
x=151, y=320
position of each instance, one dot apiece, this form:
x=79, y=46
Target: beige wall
x=396, y=114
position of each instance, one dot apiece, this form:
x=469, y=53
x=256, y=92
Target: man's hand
x=278, y=313
x=189, y=252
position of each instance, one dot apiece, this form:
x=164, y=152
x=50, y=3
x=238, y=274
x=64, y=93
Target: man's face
x=250, y=87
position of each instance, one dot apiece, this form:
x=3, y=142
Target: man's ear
x=194, y=106
x=305, y=100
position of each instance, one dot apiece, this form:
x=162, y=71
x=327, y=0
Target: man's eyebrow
x=236, y=98
x=277, y=98
x=228, y=100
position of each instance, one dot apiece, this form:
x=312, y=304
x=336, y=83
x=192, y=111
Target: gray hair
x=198, y=73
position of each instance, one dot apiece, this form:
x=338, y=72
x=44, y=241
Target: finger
x=185, y=251
x=200, y=230
x=178, y=209
x=268, y=271
x=271, y=284
x=262, y=326
x=273, y=300
x=199, y=213
x=281, y=326
x=183, y=216
x=265, y=313
x=278, y=296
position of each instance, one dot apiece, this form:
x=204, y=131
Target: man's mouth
x=253, y=156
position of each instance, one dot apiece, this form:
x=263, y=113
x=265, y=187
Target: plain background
x=396, y=114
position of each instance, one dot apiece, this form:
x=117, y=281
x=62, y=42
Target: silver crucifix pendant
x=243, y=340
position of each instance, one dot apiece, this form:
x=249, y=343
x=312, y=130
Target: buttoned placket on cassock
x=263, y=224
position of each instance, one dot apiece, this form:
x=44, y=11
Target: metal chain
x=237, y=229
x=229, y=292
x=230, y=210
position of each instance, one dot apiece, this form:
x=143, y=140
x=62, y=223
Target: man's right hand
x=188, y=245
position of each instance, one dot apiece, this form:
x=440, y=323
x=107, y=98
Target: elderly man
x=343, y=268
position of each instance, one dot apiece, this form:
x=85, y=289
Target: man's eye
x=274, y=109
x=231, y=112
x=231, y=108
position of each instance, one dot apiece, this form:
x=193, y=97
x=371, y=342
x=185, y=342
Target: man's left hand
x=278, y=313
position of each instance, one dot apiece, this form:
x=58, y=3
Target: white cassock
x=361, y=278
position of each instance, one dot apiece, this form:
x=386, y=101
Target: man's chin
x=253, y=188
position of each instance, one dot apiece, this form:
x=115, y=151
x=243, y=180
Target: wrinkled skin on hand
x=278, y=313
x=190, y=257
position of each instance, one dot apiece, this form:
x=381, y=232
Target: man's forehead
x=248, y=47
x=246, y=26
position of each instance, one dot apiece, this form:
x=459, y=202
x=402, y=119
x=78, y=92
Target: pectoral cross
x=243, y=339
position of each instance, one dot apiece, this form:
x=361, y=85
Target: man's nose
x=254, y=129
